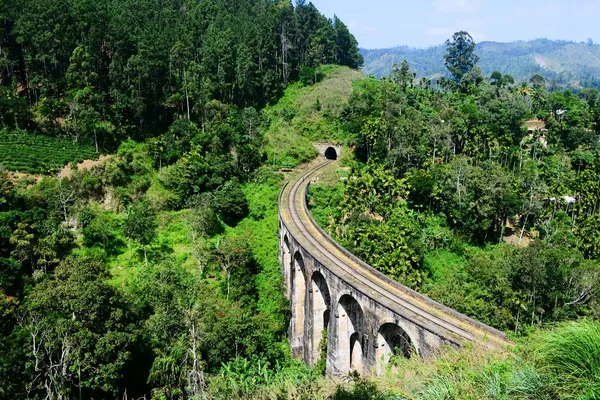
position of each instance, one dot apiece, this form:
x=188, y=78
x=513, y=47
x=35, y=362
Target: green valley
x=151, y=270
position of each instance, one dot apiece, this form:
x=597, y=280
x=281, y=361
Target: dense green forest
x=562, y=63
x=105, y=70
x=153, y=272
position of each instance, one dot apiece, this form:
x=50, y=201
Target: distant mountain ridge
x=573, y=64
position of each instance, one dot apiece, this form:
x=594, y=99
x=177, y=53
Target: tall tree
x=460, y=55
x=140, y=225
x=402, y=75
x=78, y=333
x=347, y=46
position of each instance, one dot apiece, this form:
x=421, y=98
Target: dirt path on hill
x=67, y=171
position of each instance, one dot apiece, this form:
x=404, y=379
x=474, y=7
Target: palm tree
x=524, y=89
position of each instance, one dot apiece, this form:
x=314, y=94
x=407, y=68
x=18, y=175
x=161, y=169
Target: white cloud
x=474, y=26
x=369, y=30
x=438, y=31
x=478, y=36
x=457, y=6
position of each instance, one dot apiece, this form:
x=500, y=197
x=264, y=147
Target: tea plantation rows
x=40, y=154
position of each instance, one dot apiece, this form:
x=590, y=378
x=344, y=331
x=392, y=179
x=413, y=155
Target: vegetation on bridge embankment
x=560, y=363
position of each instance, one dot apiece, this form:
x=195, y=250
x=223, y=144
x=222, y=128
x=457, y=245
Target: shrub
x=362, y=389
x=102, y=231
x=160, y=198
x=230, y=202
x=204, y=222
x=266, y=175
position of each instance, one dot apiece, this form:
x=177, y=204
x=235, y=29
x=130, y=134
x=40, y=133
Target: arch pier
x=320, y=301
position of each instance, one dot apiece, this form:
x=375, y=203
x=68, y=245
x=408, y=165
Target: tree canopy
x=143, y=64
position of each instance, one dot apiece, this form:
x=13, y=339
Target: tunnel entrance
x=331, y=154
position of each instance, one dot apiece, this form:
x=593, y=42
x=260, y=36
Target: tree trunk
x=187, y=98
x=523, y=228
x=228, y=277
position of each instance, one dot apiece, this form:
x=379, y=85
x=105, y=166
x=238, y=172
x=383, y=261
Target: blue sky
x=388, y=23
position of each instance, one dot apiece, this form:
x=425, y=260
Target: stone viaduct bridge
x=366, y=316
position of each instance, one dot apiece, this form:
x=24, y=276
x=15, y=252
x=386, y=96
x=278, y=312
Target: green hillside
x=568, y=63
x=308, y=113
x=155, y=273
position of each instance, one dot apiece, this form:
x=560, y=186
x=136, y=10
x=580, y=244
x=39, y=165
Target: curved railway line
x=427, y=314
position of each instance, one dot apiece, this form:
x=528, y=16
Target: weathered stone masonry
x=366, y=325
x=361, y=332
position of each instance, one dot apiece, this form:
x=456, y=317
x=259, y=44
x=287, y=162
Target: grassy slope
x=293, y=143
x=297, y=120
x=173, y=233
x=260, y=230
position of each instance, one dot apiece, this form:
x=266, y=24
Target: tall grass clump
x=570, y=356
x=527, y=383
x=440, y=388
x=255, y=379
x=360, y=389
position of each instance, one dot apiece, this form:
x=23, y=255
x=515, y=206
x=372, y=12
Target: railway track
x=420, y=310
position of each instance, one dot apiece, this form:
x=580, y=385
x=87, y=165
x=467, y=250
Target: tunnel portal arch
x=331, y=154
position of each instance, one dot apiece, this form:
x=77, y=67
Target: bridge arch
x=287, y=266
x=298, y=300
x=350, y=334
x=331, y=153
x=320, y=301
x=392, y=340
